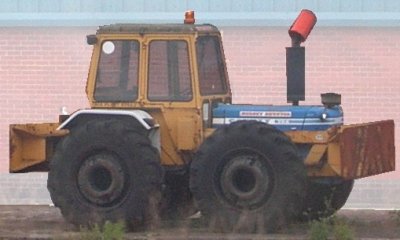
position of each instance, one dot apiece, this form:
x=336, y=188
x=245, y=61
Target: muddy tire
x=248, y=177
x=106, y=170
x=323, y=200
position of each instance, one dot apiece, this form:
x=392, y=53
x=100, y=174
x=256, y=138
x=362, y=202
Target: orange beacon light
x=189, y=17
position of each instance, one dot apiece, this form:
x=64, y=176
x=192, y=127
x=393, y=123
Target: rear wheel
x=106, y=170
x=325, y=199
x=247, y=177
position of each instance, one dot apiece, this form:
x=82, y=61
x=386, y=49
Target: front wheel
x=105, y=170
x=324, y=199
x=247, y=177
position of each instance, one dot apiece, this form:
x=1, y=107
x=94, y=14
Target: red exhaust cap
x=303, y=25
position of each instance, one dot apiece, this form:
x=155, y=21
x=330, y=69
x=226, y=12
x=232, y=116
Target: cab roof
x=157, y=28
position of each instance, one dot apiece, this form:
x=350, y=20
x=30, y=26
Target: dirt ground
x=46, y=222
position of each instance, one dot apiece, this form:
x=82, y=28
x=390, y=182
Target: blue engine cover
x=285, y=118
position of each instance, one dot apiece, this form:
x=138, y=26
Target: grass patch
x=109, y=231
x=342, y=230
x=338, y=229
x=319, y=230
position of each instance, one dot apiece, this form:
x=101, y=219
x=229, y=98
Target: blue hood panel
x=284, y=118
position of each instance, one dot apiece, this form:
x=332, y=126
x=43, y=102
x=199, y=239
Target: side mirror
x=91, y=39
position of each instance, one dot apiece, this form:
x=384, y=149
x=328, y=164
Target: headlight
x=324, y=116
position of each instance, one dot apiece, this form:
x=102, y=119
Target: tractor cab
x=133, y=65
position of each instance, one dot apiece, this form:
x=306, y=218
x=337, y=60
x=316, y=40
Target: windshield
x=210, y=66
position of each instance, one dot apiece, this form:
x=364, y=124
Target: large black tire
x=248, y=177
x=324, y=199
x=106, y=170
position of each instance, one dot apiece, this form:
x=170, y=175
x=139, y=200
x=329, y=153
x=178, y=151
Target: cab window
x=210, y=66
x=169, y=71
x=117, y=74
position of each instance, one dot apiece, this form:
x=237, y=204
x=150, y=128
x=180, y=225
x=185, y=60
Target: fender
x=144, y=118
x=141, y=116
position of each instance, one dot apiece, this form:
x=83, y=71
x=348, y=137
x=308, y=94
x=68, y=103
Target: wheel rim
x=102, y=179
x=246, y=179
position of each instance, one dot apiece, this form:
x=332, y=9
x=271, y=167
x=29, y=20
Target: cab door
x=170, y=95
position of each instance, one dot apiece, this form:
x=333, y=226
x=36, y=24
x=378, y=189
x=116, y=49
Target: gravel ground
x=46, y=222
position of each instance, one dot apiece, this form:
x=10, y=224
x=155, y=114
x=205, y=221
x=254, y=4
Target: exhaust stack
x=295, y=56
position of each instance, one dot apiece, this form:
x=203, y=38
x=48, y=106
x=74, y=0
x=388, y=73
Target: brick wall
x=43, y=69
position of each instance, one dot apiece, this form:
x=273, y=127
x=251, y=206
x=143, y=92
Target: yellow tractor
x=162, y=137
